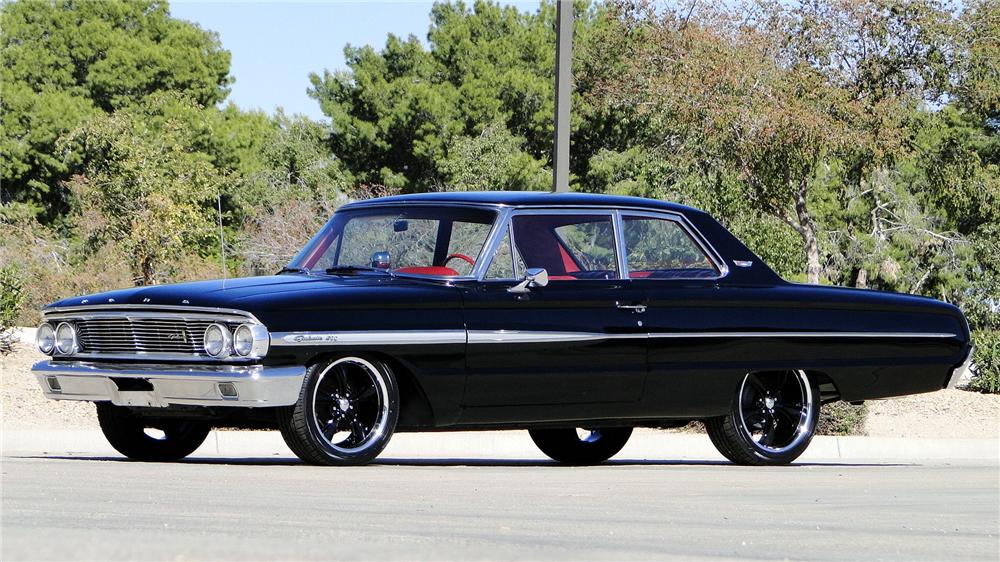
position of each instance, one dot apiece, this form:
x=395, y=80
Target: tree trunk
x=807, y=230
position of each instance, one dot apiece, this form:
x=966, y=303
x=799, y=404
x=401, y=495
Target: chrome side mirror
x=381, y=260
x=533, y=277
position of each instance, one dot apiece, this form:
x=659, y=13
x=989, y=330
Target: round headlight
x=65, y=338
x=45, y=338
x=243, y=340
x=217, y=340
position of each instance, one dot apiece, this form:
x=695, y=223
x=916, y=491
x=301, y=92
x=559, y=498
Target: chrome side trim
x=439, y=337
x=918, y=335
x=374, y=337
x=516, y=336
x=256, y=385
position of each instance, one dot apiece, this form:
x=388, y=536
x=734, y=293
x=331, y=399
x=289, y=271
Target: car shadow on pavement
x=458, y=462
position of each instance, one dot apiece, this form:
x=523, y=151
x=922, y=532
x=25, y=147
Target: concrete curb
x=644, y=445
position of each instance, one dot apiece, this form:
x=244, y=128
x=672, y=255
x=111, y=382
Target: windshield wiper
x=292, y=270
x=351, y=269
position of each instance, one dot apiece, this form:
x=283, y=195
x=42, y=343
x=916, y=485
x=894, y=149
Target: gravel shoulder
x=942, y=414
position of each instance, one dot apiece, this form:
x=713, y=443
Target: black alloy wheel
x=581, y=446
x=346, y=412
x=772, y=420
x=151, y=440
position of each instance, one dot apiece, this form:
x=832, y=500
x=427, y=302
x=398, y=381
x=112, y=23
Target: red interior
x=429, y=270
x=568, y=264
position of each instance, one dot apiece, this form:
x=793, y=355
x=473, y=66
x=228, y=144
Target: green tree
x=66, y=60
x=143, y=188
x=495, y=159
x=396, y=113
x=772, y=93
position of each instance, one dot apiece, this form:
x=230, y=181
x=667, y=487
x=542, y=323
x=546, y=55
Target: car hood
x=255, y=294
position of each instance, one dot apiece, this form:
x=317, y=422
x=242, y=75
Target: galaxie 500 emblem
x=310, y=338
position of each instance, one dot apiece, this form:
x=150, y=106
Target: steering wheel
x=450, y=257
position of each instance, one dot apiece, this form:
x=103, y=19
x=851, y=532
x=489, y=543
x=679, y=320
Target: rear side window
x=662, y=249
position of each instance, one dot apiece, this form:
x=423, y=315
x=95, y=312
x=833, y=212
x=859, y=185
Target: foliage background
x=851, y=142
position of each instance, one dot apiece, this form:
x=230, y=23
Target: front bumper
x=962, y=373
x=159, y=385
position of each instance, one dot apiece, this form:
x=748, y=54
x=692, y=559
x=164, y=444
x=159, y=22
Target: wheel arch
x=415, y=408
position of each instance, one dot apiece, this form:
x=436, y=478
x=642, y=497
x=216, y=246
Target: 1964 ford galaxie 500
x=576, y=317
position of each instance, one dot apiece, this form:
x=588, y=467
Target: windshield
x=437, y=241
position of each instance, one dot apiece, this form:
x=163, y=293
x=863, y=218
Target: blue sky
x=275, y=45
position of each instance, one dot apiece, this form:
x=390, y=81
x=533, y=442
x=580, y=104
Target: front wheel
x=772, y=420
x=150, y=440
x=581, y=446
x=346, y=412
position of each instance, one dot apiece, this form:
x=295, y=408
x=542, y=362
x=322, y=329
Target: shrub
x=986, y=376
x=11, y=299
x=841, y=418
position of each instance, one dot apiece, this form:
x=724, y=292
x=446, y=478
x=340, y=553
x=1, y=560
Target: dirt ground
x=946, y=413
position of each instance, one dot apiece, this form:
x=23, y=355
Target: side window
x=662, y=249
x=501, y=266
x=466, y=239
x=567, y=246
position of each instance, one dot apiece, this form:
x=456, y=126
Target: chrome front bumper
x=961, y=374
x=164, y=385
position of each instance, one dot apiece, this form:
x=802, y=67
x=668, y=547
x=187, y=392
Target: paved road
x=103, y=508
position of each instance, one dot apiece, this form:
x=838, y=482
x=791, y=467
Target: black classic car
x=576, y=317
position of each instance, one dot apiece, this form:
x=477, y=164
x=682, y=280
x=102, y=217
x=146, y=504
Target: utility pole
x=564, y=68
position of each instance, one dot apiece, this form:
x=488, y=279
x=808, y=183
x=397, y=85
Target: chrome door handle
x=636, y=308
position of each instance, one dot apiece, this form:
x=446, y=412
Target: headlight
x=65, y=338
x=46, y=338
x=243, y=340
x=217, y=340
x=251, y=340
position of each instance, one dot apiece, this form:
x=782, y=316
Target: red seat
x=639, y=274
x=429, y=270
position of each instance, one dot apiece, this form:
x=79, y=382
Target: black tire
x=346, y=412
x=772, y=420
x=127, y=434
x=568, y=447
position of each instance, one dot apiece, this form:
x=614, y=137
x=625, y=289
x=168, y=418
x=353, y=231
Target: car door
x=577, y=340
x=678, y=272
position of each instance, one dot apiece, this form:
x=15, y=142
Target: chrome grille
x=122, y=335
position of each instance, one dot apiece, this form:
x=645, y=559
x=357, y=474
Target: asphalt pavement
x=216, y=508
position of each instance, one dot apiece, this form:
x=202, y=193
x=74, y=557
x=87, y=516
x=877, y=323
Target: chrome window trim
x=617, y=214
x=493, y=241
x=692, y=232
x=560, y=210
x=472, y=276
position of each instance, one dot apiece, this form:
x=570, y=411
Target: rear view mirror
x=400, y=226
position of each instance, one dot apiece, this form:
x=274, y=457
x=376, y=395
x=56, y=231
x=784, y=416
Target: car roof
x=528, y=199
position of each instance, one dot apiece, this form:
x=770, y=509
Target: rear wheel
x=581, y=446
x=346, y=412
x=147, y=439
x=772, y=420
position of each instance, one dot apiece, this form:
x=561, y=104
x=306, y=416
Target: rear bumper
x=164, y=385
x=962, y=373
